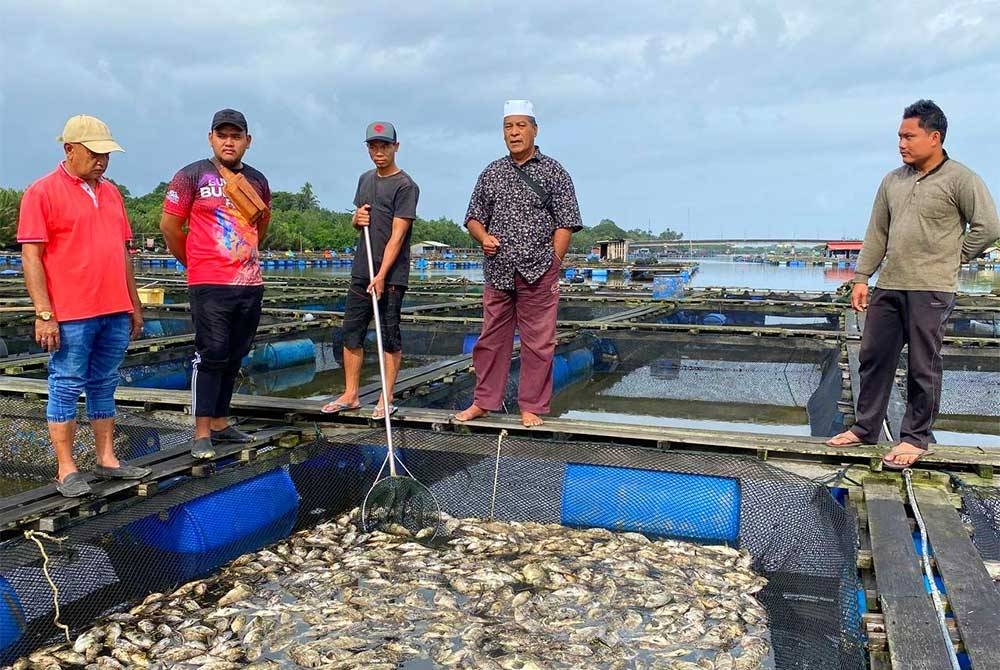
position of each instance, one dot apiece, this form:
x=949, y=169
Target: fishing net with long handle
x=398, y=501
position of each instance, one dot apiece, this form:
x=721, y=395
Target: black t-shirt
x=390, y=197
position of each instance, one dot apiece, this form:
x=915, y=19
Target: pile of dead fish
x=487, y=595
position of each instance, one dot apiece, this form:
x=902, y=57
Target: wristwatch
x=44, y=316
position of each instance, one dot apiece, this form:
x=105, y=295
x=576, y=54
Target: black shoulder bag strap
x=544, y=195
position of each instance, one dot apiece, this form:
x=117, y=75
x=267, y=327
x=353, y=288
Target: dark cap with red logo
x=380, y=131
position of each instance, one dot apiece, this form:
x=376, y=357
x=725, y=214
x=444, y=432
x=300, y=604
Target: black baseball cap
x=380, y=131
x=231, y=117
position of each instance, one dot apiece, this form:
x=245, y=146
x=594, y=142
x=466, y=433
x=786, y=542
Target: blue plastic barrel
x=471, y=338
x=271, y=381
x=664, y=287
x=277, y=355
x=164, y=376
x=667, y=504
x=581, y=363
x=200, y=535
x=12, y=621
x=560, y=372
x=153, y=328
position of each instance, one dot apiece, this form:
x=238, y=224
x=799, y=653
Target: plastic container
x=286, y=354
x=150, y=295
x=665, y=287
x=581, y=362
x=560, y=372
x=666, y=504
x=471, y=338
x=198, y=536
x=12, y=620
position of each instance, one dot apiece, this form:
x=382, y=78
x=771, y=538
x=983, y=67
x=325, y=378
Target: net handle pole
x=381, y=356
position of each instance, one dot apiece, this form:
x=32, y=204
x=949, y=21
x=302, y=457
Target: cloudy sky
x=712, y=118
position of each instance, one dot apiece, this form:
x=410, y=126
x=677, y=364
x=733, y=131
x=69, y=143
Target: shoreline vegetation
x=299, y=222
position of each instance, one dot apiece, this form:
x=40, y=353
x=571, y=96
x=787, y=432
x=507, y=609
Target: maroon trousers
x=531, y=308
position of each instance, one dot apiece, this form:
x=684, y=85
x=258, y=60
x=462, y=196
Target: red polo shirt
x=84, y=232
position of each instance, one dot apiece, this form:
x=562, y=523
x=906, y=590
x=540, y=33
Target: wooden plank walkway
x=974, y=598
x=17, y=364
x=761, y=445
x=45, y=509
x=911, y=623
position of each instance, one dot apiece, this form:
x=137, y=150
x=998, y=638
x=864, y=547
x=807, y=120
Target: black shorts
x=358, y=314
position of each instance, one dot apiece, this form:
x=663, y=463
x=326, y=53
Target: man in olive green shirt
x=930, y=216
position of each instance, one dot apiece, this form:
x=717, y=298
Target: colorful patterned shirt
x=511, y=211
x=221, y=244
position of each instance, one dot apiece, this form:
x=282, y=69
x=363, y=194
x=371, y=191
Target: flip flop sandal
x=892, y=465
x=379, y=414
x=337, y=407
x=858, y=443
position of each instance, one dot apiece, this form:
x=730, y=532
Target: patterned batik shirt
x=511, y=211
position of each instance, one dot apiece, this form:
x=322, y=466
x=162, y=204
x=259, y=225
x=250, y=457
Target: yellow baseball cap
x=91, y=132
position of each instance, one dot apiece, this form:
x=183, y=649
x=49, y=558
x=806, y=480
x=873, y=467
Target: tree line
x=299, y=222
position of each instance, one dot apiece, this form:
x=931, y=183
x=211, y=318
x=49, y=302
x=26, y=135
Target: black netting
x=26, y=456
x=798, y=536
x=982, y=506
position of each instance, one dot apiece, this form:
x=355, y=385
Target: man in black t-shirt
x=386, y=202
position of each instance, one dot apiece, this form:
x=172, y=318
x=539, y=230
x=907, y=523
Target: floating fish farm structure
x=686, y=416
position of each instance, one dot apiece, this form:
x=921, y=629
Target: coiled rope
x=34, y=535
x=925, y=556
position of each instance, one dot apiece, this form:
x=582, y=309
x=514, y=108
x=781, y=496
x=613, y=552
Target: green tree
x=10, y=206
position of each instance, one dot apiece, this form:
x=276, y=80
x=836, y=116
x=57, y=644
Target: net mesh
x=798, y=536
x=982, y=507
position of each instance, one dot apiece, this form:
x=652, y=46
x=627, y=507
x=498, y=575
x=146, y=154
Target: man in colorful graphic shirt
x=72, y=228
x=219, y=250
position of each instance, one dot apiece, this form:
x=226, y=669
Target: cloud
x=753, y=115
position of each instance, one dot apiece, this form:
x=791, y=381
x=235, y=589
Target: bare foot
x=903, y=455
x=471, y=412
x=846, y=439
x=528, y=419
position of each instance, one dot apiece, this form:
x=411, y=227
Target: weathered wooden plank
x=418, y=417
x=974, y=598
x=911, y=623
x=16, y=511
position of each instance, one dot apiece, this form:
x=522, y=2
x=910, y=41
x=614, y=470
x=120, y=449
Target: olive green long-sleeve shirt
x=924, y=226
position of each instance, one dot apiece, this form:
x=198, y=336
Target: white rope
x=34, y=535
x=935, y=595
x=496, y=473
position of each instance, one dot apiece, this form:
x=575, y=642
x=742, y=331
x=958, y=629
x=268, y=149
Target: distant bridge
x=732, y=242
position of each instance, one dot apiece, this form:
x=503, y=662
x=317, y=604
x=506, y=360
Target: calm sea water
x=719, y=271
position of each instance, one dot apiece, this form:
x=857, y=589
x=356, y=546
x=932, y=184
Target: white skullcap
x=518, y=108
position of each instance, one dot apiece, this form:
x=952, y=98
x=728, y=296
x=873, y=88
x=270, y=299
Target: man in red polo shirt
x=73, y=233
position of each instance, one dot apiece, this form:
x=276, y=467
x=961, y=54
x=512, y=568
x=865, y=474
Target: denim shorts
x=90, y=353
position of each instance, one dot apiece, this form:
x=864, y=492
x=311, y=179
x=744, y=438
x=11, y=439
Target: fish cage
x=681, y=380
x=797, y=535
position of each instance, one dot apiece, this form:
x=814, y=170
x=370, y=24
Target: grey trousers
x=895, y=318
